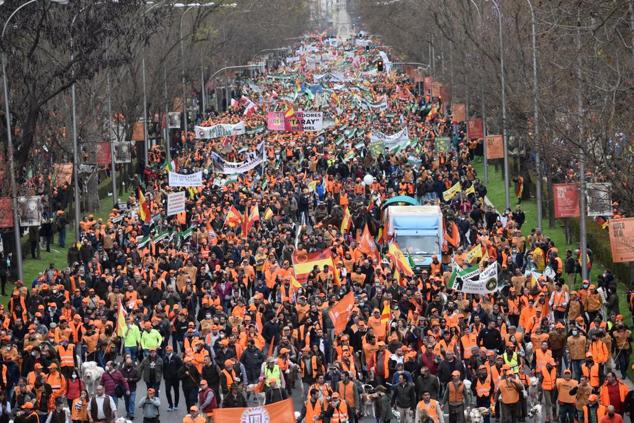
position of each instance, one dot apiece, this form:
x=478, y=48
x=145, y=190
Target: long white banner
x=180, y=180
x=175, y=203
x=391, y=142
x=254, y=158
x=221, y=130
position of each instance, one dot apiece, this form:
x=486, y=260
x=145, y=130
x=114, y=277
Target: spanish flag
x=399, y=260
x=144, y=208
x=290, y=112
x=234, y=217
x=253, y=217
x=367, y=245
x=386, y=314
x=346, y=221
x=121, y=324
x=268, y=214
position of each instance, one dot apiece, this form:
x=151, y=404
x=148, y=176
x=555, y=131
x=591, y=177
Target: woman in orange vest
x=79, y=408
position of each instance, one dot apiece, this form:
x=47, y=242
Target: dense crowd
x=205, y=304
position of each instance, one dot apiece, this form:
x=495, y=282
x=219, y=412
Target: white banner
x=311, y=121
x=175, y=203
x=217, y=131
x=180, y=180
x=599, y=199
x=391, y=142
x=473, y=281
x=30, y=210
x=254, y=158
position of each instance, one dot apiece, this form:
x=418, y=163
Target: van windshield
x=412, y=244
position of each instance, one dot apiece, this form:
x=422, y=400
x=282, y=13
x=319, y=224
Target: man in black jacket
x=252, y=358
x=132, y=376
x=448, y=365
x=190, y=378
x=235, y=398
x=404, y=398
x=490, y=338
x=426, y=382
x=171, y=364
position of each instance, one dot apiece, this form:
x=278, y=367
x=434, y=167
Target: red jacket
x=74, y=387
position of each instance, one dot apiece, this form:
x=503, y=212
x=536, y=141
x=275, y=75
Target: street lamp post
x=538, y=168
x=485, y=162
x=507, y=194
x=7, y=110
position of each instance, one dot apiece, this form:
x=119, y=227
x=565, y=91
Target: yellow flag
x=452, y=192
x=474, y=253
x=470, y=190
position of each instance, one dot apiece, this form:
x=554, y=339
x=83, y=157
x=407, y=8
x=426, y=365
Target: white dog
x=476, y=415
x=91, y=375
x=122, y=420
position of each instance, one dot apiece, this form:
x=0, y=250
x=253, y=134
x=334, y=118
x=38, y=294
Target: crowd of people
x=206, y=305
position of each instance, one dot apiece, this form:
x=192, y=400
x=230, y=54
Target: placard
x=103, y=153
x=30, y=210
x=174, y=120
x=474, y=128
x=138, y=132
x=175, y=203
x=123, y=152
x=181, y=180
x=459, y=112
x=495, y=147
x=6, y=212
x=599, y=199
x=566, y=200
x=622, y=239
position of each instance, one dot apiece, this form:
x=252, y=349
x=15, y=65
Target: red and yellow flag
x=304, y=263
x=367, y=245
x=346, y=221
x=121, y=324
x=268, y=214
x=234, y=217
x=340, y=313
x=282, y=411
x=399, y=260
x=253, y=217
x=144, y=208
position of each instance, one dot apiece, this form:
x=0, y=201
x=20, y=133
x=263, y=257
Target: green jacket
x=132, y=337
x=151, y=339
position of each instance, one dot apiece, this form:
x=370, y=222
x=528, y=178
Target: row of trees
x=585, y=56
x=49, y=47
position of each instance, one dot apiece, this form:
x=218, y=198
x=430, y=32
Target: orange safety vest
x=340, y=414
x=592, y=374
x=558, y=300
x=601, y=409
x=429, y=409
x=456, y=393
x=66, y=355
x=604, y=395
x=549, y=378
x=347, y=393
x=483, y=389
x=313, y=411
x=510, y=394
x=229, y=378
x=541, y=358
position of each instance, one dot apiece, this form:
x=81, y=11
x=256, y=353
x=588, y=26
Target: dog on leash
x=534, y=401
x=91, y=375
x=122, y=420
x=476, y=414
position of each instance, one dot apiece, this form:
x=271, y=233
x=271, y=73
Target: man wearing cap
x=150, y=405
x=131, y=337
x=56, y=380
x=623, y=346
x=548, y=378
x=509, y=388
x=483, y=390
x=593, y=412
x=150, y=339
x=456, y=396
x=194, y=416
x=337, y=410
x=26, y=414
x=567, y=400
x=207, y=401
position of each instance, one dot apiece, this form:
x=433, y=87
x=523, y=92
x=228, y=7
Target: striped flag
x=253, y=217
x=346, y=221
x=399, y=260
x=121, y=324
x=144, y=208
x=234, y=217
x=268, y=214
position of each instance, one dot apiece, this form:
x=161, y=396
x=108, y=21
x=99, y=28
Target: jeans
x=510, y=412
x=567, y=412
x=130, y=401
x=62, y=237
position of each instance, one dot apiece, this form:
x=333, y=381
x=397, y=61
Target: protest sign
x=452, y=192
x=566, y=200
x=122, y=152
x=622, y=239
x=62, y=174
x=281, y=411
x=495, y=147
x=221, y=130
x=275, y=121
x=474, y=128
x=175, y=203
x=442, y=144
x=30, y=210
x=254, y=159
x=138, y=131
x=599, y=199
x=180, y=180
x=459, y=112
x=103, y=154
x=6, y=212
x=173, y=120
x=391, y=142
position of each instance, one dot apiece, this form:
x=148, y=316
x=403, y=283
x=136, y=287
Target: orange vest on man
x=541, y=358
x=564, y=386
x=604, y=395
x=483, y=389
x=429, y=409
x=346, y=391
x=340, y=414
x=549, y=378
x=57, y=381
x=456, y=393
x=66, y=355
x=510, y=392
x=313, y=411
x=468, y=341
x=592, y=374
x=599, y=351
x=601, y=409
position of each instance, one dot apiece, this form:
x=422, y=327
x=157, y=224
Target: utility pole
x=582, y=163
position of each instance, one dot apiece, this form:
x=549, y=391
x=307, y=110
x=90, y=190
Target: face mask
x=74, y=376
x=575, y=333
